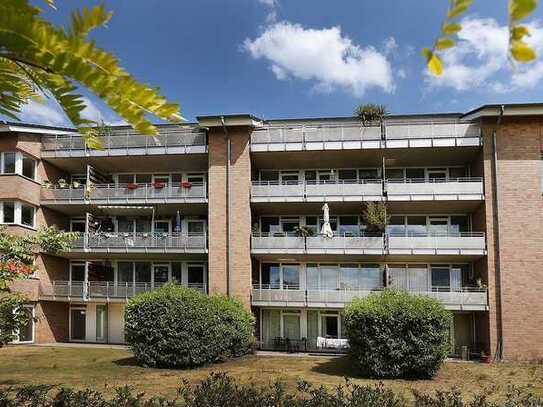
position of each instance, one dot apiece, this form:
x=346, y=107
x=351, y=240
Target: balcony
x=100, y=290
x=463, y=243
x=141, y=243
x=125, y=141
x=101, y=194
x=290, y=243
x=317, y=191
x=420, y=189
x=467, y=243
x=349, y=136
x=465, y=299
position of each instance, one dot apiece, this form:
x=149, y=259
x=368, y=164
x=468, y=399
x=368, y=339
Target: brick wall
x=240, y=213
x=52, y=323
x=520, y=208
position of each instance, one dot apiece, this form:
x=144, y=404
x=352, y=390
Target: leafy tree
x=376, y=217
x=39, y=59
x=519, y=50
x=16, y=257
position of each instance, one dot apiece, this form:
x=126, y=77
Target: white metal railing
x=265, y=293
x=447, y=241
x=141, y=241
x=421, y=186
x=316, y=189
x=393, y=130
x=352, y=243
x=128, y=138
x=88, y=290
x=126, y=192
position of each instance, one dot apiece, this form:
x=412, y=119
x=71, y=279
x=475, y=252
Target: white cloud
x=269, y=3
x=390, y=46
x=43, y=113
x=480, y=59
x=324, y=56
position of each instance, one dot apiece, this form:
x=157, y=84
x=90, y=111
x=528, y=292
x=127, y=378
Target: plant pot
x=132, y=186
x=186, y=184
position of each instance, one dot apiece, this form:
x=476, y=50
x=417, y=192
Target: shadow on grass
x=341, y=367
x=130, y=361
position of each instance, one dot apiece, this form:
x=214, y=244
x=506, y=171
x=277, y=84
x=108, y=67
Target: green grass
x=102, y=369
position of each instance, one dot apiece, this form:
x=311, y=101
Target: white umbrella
x=326, y=229
x=178, y=222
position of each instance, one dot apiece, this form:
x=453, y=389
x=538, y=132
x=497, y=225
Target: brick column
x=238, y=284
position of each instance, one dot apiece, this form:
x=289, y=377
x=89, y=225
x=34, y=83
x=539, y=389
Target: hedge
x=175, y=326
x=396, y=334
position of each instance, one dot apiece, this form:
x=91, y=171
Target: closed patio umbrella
x=177, y=222
x=326, y=229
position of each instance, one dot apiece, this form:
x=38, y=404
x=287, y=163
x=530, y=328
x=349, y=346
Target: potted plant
x=132, y=185
x=370, y=113
x=47, y=185
x=76, y=184
x=186, y=184
x=62, y=183
x=303, y=231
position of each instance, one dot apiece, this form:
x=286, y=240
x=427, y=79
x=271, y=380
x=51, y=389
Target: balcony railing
x=464, y=243
x=461, y=243
x=119, y=193
x=264, y=295
x=393, y=134
x=292, y=243
x=101, y=290
x=141, y=242
x=126, y=141
x=413, y=189
x=341, y=190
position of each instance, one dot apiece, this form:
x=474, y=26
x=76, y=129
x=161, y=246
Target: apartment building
x=236, y=205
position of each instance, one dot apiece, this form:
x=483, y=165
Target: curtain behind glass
x=271, y=325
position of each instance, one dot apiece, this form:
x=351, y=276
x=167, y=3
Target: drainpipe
x=497, y=259
x=228, y=160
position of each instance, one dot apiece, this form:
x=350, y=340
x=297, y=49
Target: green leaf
x=459, y=8
x=522, y=52
x=450, y=28
x=444, y=43
x=519, y=9
x=433, y=62
x=518, y=32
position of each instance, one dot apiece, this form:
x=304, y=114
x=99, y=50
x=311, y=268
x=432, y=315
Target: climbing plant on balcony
x=175, y=326
x=17, y=254
x=394, y=334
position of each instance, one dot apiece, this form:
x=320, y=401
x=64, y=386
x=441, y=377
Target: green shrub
x=175, y=326
x=396, y=334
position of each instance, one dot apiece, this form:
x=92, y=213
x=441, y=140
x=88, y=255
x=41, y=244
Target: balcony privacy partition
x=124, y=193
x=394, y=133
x=125, y=141
x=141, y=242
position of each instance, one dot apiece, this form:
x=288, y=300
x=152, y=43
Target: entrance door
x=330, y=326
x=160, y=274
x=101, y=323
x=25, y=334
x=78, y=321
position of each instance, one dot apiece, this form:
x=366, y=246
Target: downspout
x=228, y=160
x=497, y=259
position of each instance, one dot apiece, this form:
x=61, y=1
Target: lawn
x=103, y=369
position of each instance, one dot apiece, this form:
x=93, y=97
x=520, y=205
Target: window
x=269, y=224
x=9, y=163
x=77, y=272
x=77, y=225
x=27, y=215
x=441, y=278
x=271, y=275
x=347, y=175
x=291, y=277
x=29, y=167
x=396, y=226
x=269, y=175
x=348, y=225
x=9, y=212
x=25, y=333
x=414, y=173
x=143, y=272
x=372, y=173
x=125, y=272
x=394, y=173
x=416, y=225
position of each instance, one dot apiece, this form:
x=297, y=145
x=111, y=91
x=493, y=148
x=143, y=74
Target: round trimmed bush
x=175, y=326
x=396, y=334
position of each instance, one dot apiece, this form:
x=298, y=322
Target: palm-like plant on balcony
x=370, y=113
x=303, y=231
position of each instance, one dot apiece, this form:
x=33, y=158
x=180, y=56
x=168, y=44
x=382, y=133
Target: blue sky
x=305, y=58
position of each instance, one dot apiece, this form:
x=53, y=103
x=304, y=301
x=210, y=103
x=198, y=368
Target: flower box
x=159, y=185
x=186, y=184
x=132, y=185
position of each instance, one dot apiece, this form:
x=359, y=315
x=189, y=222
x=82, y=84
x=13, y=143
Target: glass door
x=291, y=326
x=438, y=226
x=162, y=226
x=330, y=326
x=160, y=274
x=195, y=227
x=101, y=323
x=78, y=323
x=437, y=174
